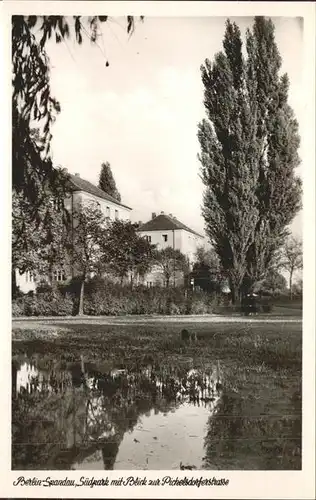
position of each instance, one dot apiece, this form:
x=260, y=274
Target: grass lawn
x=258, y=421
x=288, y=309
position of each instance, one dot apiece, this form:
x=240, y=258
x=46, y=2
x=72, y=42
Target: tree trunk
x=14, y=374
x=83, y=374
x=232, y=291
x=167, y=281
x=82, y=364
x=235, y=293
x=290, y=283
x=80, y=313
x=13, y=283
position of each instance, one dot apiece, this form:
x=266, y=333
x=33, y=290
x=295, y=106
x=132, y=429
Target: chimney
x=140, y=223
x=162, y=212
x=153, y=215
x=170, y=215
x=77, y=175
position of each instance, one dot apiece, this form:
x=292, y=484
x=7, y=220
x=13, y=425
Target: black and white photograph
x=157, y=242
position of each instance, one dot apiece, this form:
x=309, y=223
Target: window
x=165, y=237
x=116, y=215
x=148, y=238
x=149, y=284
x=59, y=275
x=108, y=212
x=29, y=277
x=57, y=204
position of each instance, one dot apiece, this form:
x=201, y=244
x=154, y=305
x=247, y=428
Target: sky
x=141, y=112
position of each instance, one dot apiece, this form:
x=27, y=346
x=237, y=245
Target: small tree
x=169, y=261
x=297, y=288
x=273, y=283
x=37, y=245
x=127, y=253
x=292, y=258
x=107, y=182
x=88, y=244
x=207, y=272
x=143, y=253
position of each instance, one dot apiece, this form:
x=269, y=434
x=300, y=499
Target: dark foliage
x=105, y=298
x=107, y=182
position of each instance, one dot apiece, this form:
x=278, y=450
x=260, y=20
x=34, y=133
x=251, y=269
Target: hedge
x=102, y=298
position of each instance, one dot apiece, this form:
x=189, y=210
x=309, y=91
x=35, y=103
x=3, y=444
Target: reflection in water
x=86, y=416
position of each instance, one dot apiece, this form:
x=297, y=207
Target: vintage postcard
x=158, y=190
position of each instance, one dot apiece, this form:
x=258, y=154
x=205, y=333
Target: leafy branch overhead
x=34, y=108
x=38, y=246
x=31, y=86
x=33, y=105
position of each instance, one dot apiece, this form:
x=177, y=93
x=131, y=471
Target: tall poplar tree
x=279, y=188
x=228, y=158
x=248, y=154
x=107, y=182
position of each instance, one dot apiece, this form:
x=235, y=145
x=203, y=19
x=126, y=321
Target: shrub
x=174, y=309
x=267, y=308
x=199, y=307
x=43, y=304
x=105, y=298
x=43, y=287
x=17, y=308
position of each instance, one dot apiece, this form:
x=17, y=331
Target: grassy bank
x=258, y=422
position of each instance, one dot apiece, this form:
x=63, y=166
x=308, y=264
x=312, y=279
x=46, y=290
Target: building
x=165, y=230
x=82, y=192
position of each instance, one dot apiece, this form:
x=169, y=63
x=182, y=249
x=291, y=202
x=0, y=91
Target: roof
x=164, y=222
x=79, y=184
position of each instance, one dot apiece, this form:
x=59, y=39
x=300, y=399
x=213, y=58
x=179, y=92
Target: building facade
x=81, y=192
x=165, y=230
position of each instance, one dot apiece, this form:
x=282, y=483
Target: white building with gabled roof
x=165, y=230
x=84, y=191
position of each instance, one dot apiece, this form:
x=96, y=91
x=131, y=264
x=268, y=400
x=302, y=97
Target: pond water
x=84, y=415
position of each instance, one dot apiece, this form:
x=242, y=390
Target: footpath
x=27, y=322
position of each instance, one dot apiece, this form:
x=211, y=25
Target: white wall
x=190, y=243
x=156, y=277
x=184, y=241
x=157, y=238
x=108, y=207
x=25, y=281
